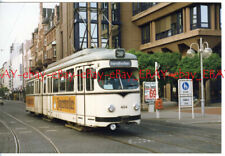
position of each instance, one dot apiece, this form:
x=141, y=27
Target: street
x=22, y=132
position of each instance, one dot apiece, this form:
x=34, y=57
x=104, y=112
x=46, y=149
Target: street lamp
x=205, y=52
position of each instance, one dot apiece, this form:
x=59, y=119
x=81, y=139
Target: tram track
x=35, y=129
x=174, y=134
x=16, y=140
x=155, y=140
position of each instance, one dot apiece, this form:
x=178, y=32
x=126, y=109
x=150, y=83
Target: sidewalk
x=170, y=114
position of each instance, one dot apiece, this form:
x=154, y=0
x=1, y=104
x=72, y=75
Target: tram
x=93, y=87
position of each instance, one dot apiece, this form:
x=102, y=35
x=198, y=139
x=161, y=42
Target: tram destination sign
x=120, y=63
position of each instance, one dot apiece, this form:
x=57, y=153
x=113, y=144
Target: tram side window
x=45, y=85
x=32, y=87
x=49, y=85
x=62, y=82
x=39, y=86
x=70, y=80
x=27, y=88
x=79, y=80
x=55, y=84
x=36, y=87
x=89, y=80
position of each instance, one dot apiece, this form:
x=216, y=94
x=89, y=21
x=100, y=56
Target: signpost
x=185, y=94
x=150, y=94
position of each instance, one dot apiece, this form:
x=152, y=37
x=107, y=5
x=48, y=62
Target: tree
x=168, y=63
x=3, y=91
x=192, y=66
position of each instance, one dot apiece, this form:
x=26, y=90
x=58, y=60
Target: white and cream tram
x=93, y=87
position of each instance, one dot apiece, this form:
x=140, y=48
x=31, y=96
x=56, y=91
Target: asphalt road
x=21, y=132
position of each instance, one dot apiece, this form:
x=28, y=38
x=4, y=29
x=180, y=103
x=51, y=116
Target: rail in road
x=153, y=136
x=17, y=143
x=16, y=140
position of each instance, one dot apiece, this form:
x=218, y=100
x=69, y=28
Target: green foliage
x=212, y=63
x=3, y=91
x=172, y=63
x=192, y=65
x=168, y=63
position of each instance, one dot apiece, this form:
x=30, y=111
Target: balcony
x=50, y=56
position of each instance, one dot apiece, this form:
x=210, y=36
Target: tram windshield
x=118, y=78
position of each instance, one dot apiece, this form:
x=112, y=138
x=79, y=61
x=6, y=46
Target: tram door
x=80, y=98
x=84, y=85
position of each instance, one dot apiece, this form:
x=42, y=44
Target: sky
x=17, y=22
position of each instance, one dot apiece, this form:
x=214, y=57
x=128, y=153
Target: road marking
x=37, y=130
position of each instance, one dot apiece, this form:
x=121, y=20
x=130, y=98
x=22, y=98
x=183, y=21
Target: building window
x=82, y=36
x=54, y=51
x=115, y=12
x=80, y=26
x=139, y=7
x=94, y=35
x=200, y=17
x=145, y=33
x=169, y=25
x=220, y=18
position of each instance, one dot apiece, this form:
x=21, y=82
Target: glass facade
x=200, y=16
x=80, y=25
x=104, y=25
x=145, y=33
x=116, y=25
x=169, y=25
x=139, y=7
x=81, y=20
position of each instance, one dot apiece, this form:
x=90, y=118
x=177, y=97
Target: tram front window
x=118, y=78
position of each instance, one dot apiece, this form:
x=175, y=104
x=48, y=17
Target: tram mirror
x=120, y=53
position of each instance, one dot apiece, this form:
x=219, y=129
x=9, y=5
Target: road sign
x=185, y=87
x=149, y=92
x=186, y=101
x=185, y=94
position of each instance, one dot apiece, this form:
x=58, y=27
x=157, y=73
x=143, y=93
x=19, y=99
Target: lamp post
x=204, y=52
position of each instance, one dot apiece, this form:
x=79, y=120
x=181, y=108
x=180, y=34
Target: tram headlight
x=136, y=107
x=111, y=108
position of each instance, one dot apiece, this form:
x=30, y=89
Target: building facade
x=172, y=27
x=147, y=27
x=5, y=78
x=16, y=62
